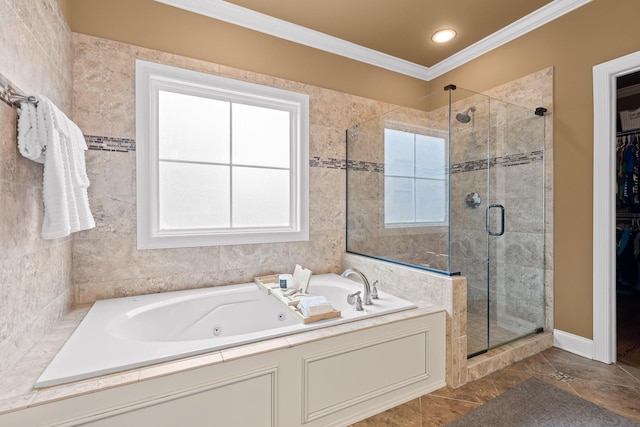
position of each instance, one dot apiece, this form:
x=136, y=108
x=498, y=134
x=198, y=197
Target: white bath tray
x=271, y=285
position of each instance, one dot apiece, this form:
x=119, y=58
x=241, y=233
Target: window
x=219, y=161
x=415, y=178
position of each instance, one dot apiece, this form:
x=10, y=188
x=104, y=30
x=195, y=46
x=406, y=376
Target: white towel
x=310, y=306
x=50, y=137
x=29, y=141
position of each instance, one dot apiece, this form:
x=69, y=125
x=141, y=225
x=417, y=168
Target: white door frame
x=604, y=207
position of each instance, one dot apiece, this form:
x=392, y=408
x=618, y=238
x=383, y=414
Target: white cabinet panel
x=243, y=402
x=339, y=379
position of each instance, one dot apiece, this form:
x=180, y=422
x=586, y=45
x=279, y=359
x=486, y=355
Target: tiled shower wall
x=368, y=234
x=520, y=142
x=35, y=274
x=521, y=161
x=106, y=261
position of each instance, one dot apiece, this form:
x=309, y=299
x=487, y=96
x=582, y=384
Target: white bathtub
x=126, y=333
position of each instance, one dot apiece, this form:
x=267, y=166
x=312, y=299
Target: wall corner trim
x=573, y=343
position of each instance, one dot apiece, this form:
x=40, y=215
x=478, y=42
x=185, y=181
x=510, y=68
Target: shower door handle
x=488, y=221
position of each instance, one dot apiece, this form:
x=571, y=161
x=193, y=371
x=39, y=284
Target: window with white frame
x=219, y=161
x=415, y=176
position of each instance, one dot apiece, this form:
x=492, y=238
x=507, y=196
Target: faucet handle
x=351, y=298
x=355, y=300
x=358, y=305
x=374, y=290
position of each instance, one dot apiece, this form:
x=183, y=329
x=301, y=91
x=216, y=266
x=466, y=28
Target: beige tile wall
x=106, y=261
x=425, y=288
x=35, y=274
x=96, y=88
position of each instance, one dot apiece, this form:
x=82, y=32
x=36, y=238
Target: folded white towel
x=50, y=137
x=29, y=141
x=310, y=306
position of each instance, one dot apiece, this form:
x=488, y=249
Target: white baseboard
x=573, y=343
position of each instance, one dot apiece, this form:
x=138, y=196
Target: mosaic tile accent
x=328, y=163
x=108, y=143
x=366, y=166
x=561, y=376
x=474, y=165
x=509, y=160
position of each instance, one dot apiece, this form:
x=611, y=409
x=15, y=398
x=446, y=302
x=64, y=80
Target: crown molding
x=535, y=19
x=237, y=15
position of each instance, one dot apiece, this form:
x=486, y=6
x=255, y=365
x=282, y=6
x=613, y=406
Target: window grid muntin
x=415, y=131
x=151, y=77
x=231, y=164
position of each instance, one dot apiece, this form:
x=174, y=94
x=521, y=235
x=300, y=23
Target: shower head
x=464, y=117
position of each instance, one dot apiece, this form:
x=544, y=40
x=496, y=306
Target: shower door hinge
x=540, y=111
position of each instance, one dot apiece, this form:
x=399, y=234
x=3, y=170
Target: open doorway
x=628, y=219
x=605, y=80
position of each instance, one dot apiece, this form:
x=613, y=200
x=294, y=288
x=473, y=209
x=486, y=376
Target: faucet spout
x=366, y=297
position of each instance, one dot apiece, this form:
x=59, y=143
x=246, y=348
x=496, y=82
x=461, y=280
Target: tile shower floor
x=477, y=334
x=615, y=387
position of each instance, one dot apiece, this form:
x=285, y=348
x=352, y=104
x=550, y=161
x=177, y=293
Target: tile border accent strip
x=125, y=145
x=109, y=143
x=508, y=160
x=362, y=166
x=328, y=163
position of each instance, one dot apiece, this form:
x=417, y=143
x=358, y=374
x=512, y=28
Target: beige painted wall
x=154, y=25
x=64, y=7
x=600, y=31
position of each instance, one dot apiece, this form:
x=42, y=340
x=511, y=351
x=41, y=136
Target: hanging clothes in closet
x=628, y=212
x=628, y=171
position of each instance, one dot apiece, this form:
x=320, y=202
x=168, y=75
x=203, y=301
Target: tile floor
x=615, y=387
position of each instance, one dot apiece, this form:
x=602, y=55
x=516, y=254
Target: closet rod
x=628, y=132
x=628, y=215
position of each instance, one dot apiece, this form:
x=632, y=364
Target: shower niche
x=454, y=183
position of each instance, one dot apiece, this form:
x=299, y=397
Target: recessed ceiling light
x=443, y=36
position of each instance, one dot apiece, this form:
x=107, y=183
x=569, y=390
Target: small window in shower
x=220, y=161
x=415, y=179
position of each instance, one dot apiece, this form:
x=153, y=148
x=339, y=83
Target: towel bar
x=12, y=97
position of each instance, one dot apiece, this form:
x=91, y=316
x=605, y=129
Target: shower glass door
x=497, y=217
x=515, y=223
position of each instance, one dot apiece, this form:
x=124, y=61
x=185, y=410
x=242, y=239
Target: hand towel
x=65, y=182
x=311, y=306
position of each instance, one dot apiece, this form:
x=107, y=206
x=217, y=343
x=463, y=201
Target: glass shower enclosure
x=454, y=184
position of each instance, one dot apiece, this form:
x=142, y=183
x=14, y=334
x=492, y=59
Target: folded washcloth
x=311, y=306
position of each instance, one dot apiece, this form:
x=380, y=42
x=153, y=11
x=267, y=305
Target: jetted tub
x=126, y=333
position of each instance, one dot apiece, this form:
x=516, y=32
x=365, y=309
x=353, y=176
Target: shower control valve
x=472, y=200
